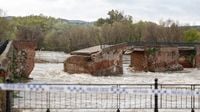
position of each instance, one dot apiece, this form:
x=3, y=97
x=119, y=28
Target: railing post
x=118, y=100
x=48, y=95
x=192, y=110
x=156, y=96
x=193, y=98
x=8, y=102
x=48, y=110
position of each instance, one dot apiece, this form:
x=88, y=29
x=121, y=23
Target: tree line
x=61, y=35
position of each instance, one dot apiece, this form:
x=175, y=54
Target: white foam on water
x=51, y=57
x=53, y=73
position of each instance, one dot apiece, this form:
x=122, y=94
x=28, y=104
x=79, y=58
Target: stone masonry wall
x=156, y=59
x=78, y=64
x=23, y=57
x=197, y=57
x=187, y=58
x=108, y=63
x=138, y=61
x=162, y=59
x=103, y=63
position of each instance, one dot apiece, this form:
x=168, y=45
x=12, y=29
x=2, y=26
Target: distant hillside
x=78, y=22
x=8, y=17
x=198, y=27
x=75, y=22
x=189, y=27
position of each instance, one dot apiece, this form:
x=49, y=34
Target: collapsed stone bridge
x=161, y=57
x=97, y=60
x=154, y=57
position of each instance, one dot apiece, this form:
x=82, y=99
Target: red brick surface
x=197, y=57
x=160, y=60
x=138, y=61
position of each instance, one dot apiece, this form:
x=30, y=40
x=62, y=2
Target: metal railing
x=84, y=101
x=111, y=102
x=3, y=45
x=140, y=43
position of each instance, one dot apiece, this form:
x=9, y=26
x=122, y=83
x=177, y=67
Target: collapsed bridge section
x=161, y=57
x=96, y=60
x=153, y=57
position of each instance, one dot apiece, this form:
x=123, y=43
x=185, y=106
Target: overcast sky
x=185, y=11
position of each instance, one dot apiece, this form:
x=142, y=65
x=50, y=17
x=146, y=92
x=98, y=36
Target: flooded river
x=53, y=73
